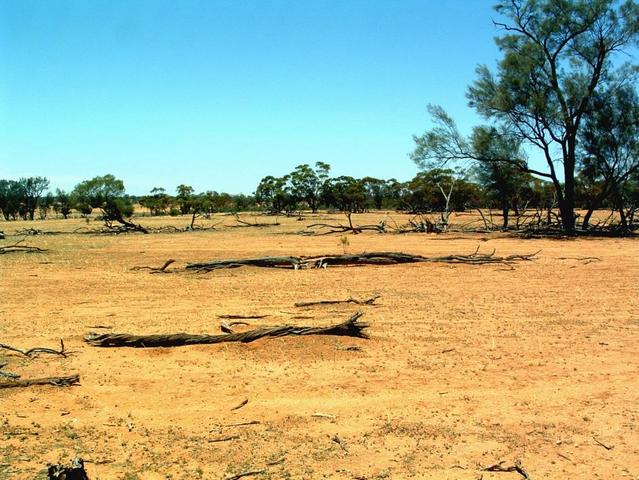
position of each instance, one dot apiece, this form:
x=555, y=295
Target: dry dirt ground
x=467, y=366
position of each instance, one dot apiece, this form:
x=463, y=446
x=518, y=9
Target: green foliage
x=158, y=201
x=306, y=183
x=275, y=194
x=106, y=193
x=20, y=198
x=557, y=56
x=63, y=203
x=345, y=193
x=184, y=198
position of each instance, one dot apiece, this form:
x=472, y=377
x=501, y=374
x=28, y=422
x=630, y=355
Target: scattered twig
x=240, y=405
x=242, y=424
x=55, y=381
x=351, y=348
x=228, y=438
x=367, y=301
x=161, y=269
x=517, y=467
x=246, y=474
x=607, y=447
x=323, y=415
x=105, y=327
x=340, y=441
x=240, y=317
x=565, y=457
x=36, y=350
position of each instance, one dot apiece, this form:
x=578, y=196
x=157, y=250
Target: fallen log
x=266, y=262
x=350, y=328
x=55, y=381
x=373, y=258
x=367, y=301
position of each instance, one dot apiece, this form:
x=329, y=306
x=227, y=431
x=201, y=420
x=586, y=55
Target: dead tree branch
x=32, y=352
x=246, y=474
x=161, y=269
x=517, y=467
x=255, y=223
x=367, y=301
x=350, y=328
x=241, y=317
x=328, y=229
x=55, y=381
x=18, y=247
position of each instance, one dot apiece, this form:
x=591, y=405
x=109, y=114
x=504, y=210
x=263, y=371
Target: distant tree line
x=432, y=190
x=29, y=199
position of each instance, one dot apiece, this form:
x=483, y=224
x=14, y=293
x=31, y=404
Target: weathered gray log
x=367, y=301
x=55, y=381
x=372, y=258
x=266, y=262
x=350, y=328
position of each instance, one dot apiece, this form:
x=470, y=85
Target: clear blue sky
x=217, y=94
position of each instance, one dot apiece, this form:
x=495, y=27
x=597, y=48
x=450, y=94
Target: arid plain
x=467, y=366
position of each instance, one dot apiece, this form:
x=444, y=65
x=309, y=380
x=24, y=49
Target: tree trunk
x=567, y=203
x=586, y=221
x=505, y=211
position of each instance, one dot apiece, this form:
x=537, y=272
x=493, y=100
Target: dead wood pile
x=351, y=328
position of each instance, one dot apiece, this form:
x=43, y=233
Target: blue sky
x=217, y=94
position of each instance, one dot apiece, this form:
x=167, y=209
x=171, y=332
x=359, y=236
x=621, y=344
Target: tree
x=306, y=183
x=12, y=199
x=556, y=55
x=184, y=198
x=45, y=204
x=63, y=203
x=33, y=188
x=274, y=194
x=377, y=191
x=345, y=193
x=504, y=183
x=108, y=194
x=157, y=201
x=610, y=144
